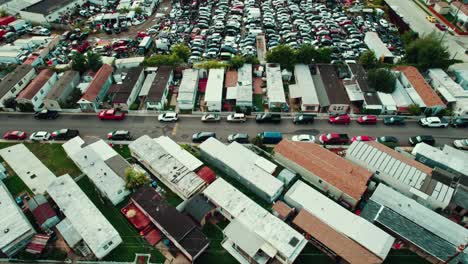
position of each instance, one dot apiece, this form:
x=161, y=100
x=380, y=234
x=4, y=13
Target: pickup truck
x=268, y=118
x=433, y=122
x=111, y=114
x=334, y=139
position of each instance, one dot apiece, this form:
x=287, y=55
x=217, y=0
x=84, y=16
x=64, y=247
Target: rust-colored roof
x=231, y=79
x=427, y=94
x=33, y=88
x=400, y=157
x=282, y=209
x=96, y=84
x=335, y=170
x=343, y=246
x=257, y=85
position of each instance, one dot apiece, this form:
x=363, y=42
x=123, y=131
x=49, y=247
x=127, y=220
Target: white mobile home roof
x=214, y=89
x=33, y=172
x=354, y=93
x=147, y=84
x=305, y=85
x=454, y=159
x=441, y=81
x=104, y=178
x=244, y=84
x=400, y=95
x=187, y=88
x=275, y=90
x=374, y=43
x=423, y=216
x=182, y=155
x=87, y=220
x=302, y=196
x=252, y=168
x=413, y=94
x=402, y=170
x=272, y=230
x=180, y=179
x=12, y=219
x=387, y=100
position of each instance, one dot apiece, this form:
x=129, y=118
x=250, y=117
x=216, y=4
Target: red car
x=340, y=119
x=15, y=135
x=441, y=26
x=362, y=138
x=111, y=114
x=368, y=119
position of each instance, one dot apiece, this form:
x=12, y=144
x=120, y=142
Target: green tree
x=181, y=51
x=306, y=53
x=252, y=60
x=414, y=109
x=138, y=10
x=428, y=52
x=236, y=62
x=158, y=60
x=283, y=55
x=381, y=80
x=72, y=99
x=123, y=10
x=3, y=13
x=324, y=55
x=211, y=64
x=94, y=61
x=408, y=37
x=368, y=60
x=25, y=107
x=135, y=178
x=79, y=62
x=10, y=102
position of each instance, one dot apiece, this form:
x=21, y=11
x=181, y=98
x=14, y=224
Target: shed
x=199, y=209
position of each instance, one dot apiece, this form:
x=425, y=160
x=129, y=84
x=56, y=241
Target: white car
x=168, y=117
x=433, y=122
x=239, y=118
x=383, y=23
x=461, y=144
x=40, y=136
x=304, y=138
x=210, y=118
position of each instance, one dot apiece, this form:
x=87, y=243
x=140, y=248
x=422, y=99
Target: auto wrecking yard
x=233, y=131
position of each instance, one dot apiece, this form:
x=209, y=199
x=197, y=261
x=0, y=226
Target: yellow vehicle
x=431, y=19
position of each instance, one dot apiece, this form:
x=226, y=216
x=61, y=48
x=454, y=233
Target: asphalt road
x=91, y=127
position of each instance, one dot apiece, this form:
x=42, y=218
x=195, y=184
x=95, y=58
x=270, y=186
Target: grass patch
x=215, y=253
x=404, y=256
x=15, y=185
x=123, y=150
x=311, y=254
x=133, y=243
x=171, y=198
x=258, y=102
x=53, y=156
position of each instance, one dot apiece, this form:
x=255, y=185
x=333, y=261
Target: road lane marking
x=174, y=130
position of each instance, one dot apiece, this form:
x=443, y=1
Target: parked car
x=304, y=138
x=441, y=27
x=236, y=118
x=334, y=139
x=367, y=120
x=268, y=118
x=362, y=138
x=111, y=114
x=459, y=122
x=433, y=122
x=270, y=137
x=210, y=118
x=15, y=135
x=339, y=119
x=202, y=136
x=394, y=121
x=303, y=119
x=119, y=135
x=387, y=139
x=64, y=134
x=428, y=139
x=46, y=114
x=431, y=19
x=168, y=117
x=40, y=136
x=239, y=138
x=461, y=144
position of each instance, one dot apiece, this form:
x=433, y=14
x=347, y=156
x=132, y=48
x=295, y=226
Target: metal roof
x=251, y=167
x=305, y=85
x=182, y=155
x=33, y=172
x=386, y=99
x=302, y=196
x=98, y=233
x=275, y=90
x=244, y=84
x=214, y=87
x=13, y=78
x=401, y=96
x=68, y=232
x=13, y=219
x=423, y=227
x=183, y=181
x=147, y=84
x=450, y=157
x=276, y=233
x=353, y=91
x=401, y=170
x=188, y=87
x=441, y=81
x=374, y=43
